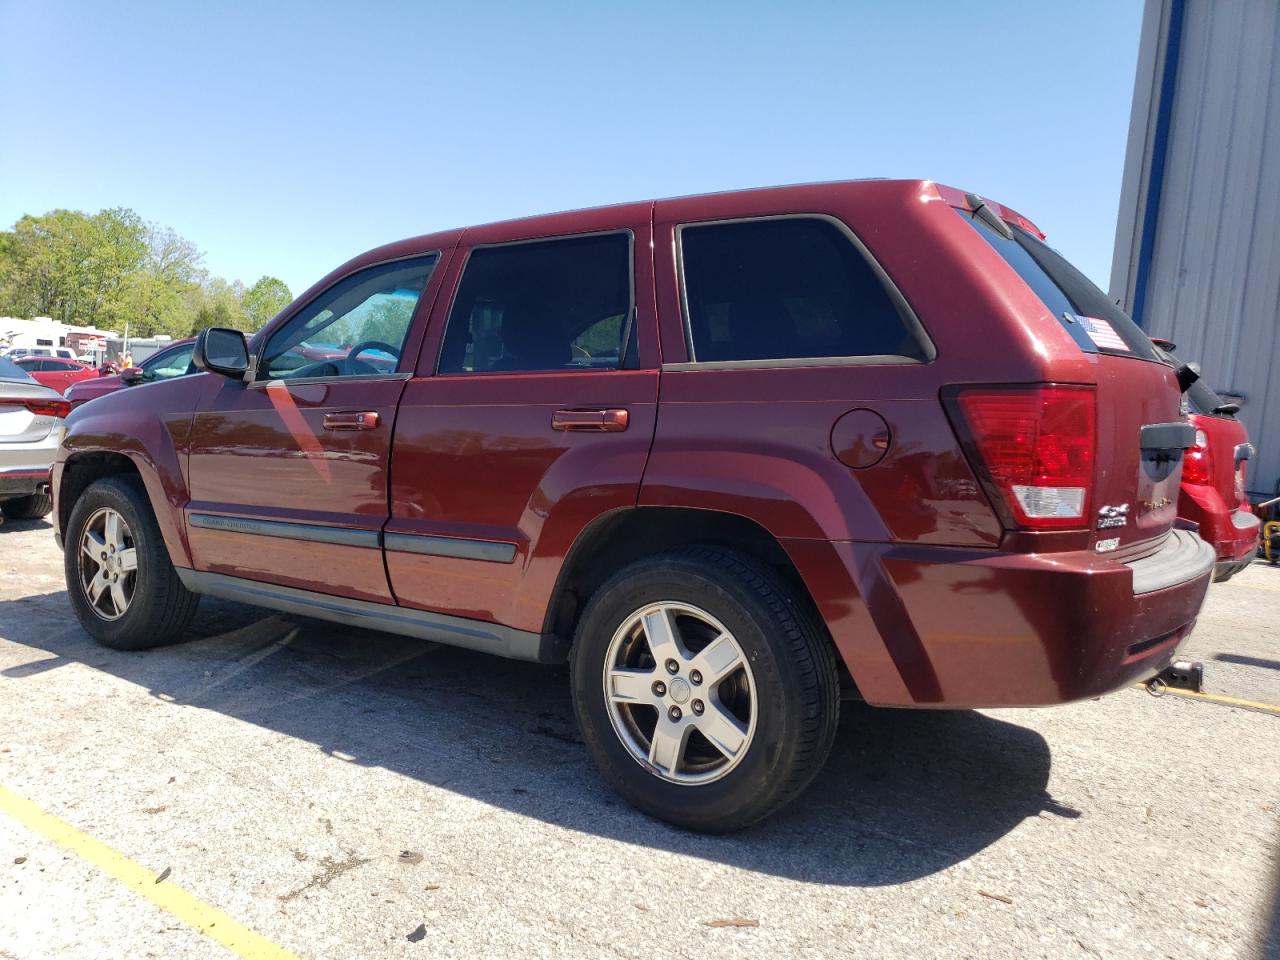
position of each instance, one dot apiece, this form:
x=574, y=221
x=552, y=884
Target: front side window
x=356, y=328
x=788, y=289
x=550, y=305
x=169, y=364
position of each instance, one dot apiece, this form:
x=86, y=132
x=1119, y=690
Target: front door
x=530, y=416
x=288, y=473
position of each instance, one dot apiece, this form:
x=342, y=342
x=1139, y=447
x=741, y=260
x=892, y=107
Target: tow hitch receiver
x=1180, y=675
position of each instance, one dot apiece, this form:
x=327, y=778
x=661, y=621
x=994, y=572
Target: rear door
x=288, y=473
x=530, y=414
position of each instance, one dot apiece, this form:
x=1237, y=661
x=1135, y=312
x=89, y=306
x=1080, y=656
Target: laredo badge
x=1113, y=516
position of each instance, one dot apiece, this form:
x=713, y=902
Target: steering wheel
x=382, y=345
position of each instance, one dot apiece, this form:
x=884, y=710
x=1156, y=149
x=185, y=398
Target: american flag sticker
x=1102, y=334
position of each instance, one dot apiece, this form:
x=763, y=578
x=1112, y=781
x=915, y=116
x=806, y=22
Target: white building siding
x=1213, y=270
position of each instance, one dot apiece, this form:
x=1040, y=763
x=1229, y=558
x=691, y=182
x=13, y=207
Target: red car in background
x=173, y=361
x=1213, y=477
x=55, y=372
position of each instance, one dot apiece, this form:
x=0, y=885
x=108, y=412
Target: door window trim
x=629, y=320
x=263, y=336
x=910, y=321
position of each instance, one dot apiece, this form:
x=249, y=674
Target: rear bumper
x=22, y=483
x=1232, y=531
x=946, y=627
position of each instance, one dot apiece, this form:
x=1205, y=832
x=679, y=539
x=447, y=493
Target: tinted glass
x=356, y=328
x=11, y=371
x=1199, y=397
x=1064, y=289
x=787, y=289
x=553, y=305
x=169, y=364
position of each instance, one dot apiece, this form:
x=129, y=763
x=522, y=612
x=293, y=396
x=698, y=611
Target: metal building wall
x=1197, y=255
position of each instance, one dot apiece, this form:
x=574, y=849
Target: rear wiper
x=1227, y=409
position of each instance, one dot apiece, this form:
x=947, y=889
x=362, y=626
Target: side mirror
x=220, y=350
x=131, y=375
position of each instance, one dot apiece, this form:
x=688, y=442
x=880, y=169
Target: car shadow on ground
x=905, y=793
x=18, y=526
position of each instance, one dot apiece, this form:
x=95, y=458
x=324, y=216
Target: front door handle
x=611, y=420
x=361, y=420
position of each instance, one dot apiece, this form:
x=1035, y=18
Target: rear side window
x=789, y=289
x=1070, y=296
x=550, y=305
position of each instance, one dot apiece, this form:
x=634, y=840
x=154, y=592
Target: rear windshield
x=11, y=371
x=1085, y=312
x=1200, y=397
x=1203, y=400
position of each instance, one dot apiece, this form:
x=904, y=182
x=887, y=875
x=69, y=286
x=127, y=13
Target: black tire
x=32, y=507
x=791, y=659
x=161, y=607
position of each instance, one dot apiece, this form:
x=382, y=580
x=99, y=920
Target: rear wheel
x=123, y=587
x=32, y=507
x=705, y=692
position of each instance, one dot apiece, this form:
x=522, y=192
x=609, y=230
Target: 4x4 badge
x=1113, y=516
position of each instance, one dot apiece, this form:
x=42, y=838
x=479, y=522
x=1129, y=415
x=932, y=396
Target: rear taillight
x=1036, y=445
x=1240, y=495
x=1197, y=464
x=41, y=408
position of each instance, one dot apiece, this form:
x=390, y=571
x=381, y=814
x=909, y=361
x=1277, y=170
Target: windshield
x=11, y=371
x=1200, y=397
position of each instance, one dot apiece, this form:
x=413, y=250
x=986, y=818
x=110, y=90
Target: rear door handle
x=611, y=420
x=361, y=420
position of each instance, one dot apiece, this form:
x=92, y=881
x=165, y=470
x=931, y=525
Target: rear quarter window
x=787, y=289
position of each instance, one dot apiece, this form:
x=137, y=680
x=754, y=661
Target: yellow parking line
x=209, y=920
x=1271, y=708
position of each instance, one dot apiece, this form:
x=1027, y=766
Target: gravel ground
x=347, y=793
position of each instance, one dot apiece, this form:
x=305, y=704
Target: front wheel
x=123, y=588
x=705, y=692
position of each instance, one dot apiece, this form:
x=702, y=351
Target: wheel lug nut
x=673, y=667
x=659, y=688
x=696, y=677
x=698, y=707
x=674, y=713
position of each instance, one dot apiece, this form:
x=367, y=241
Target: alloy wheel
x=108, y=563
x=680, y=693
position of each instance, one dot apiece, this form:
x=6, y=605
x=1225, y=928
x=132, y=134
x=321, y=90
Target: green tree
x=264, y=300
x=114, y=270
x=69, y=265
x=217, y=303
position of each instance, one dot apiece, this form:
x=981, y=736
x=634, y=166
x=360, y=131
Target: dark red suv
x=729, y=455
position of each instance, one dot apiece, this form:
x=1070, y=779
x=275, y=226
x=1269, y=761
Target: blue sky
x=283, y=137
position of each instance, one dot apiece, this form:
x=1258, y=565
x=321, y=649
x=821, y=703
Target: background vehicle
x=1212, y=493
x=56, y=374
x=902, y=447
x=29, y=415
x=174, y=361
x=63, y=353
